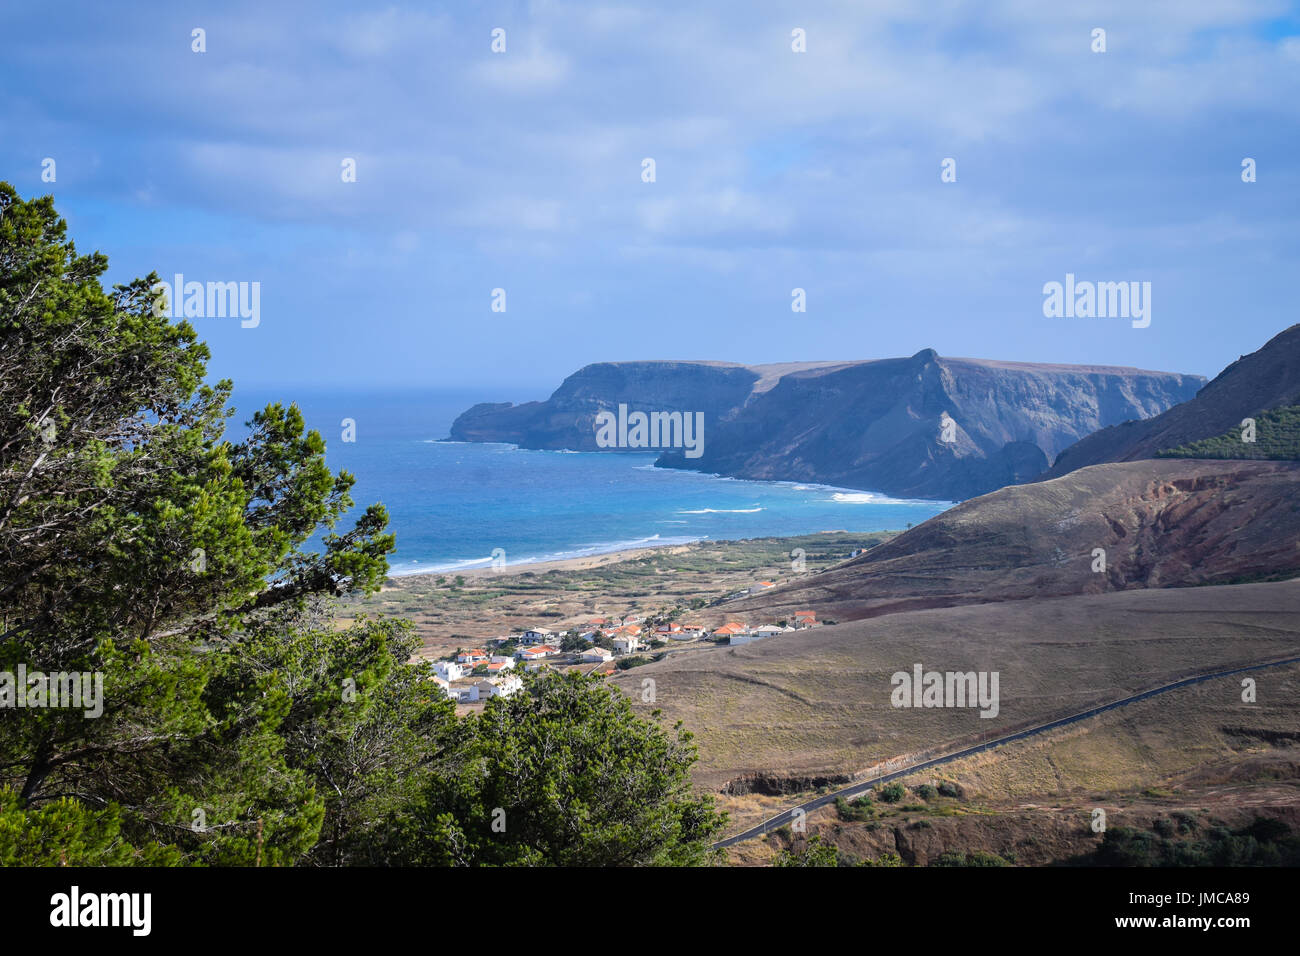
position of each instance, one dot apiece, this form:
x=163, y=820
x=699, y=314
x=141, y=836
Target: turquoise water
x=453, y=504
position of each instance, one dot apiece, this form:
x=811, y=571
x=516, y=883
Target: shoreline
x=582, y=562
x=579, y=563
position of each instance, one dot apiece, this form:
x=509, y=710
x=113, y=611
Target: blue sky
x=774, y=170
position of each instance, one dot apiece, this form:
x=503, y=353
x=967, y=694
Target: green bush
x=972, y=858
x=816, y=852
x=891, y=793
x=854, y=811
x=1263, y=842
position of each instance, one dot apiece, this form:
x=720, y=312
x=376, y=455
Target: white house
x=502, y=664
x=596, y=655
x=535, y=653
x=464, y=693
x=536, y=635
x=626, y=644
x=443, y=685
x=768, y=630
x=448, y=670
x=502, y=686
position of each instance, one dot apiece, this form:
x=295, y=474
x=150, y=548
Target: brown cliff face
x=875, y=425
x=1255, y=383
x=1160, y=524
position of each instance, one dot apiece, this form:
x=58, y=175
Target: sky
x=774, y=170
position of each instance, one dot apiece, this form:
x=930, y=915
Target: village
x=599, y=646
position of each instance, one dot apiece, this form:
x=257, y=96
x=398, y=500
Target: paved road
x=854, y=790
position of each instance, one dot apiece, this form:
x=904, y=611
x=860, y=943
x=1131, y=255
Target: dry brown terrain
x=816, y=704
x=1160, y=523
x=1197, y=757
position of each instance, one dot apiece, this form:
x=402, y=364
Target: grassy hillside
x=1251, y=386
x=1277, y=438
x=1158, y=523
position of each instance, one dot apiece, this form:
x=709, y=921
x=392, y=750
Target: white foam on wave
x=721, y=511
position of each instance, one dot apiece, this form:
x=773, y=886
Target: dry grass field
x=817, y=703
x=1196, y=753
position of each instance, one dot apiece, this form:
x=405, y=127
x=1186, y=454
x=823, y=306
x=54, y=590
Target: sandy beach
x=584, y=563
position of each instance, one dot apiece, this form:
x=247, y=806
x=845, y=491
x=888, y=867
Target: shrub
x=855, y=811
x=891, y=793
x=815, y=853
x=972, y=858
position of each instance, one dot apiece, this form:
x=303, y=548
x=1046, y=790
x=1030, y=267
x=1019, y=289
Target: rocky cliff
x=567, y=418
x=925, y=426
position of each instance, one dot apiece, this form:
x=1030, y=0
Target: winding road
x=856, y=789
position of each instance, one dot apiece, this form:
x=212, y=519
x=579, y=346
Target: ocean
x=452, y=505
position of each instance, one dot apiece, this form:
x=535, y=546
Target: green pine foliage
x=564, y=775
x=240, y=724
x=65, y=832
x=1277, y=438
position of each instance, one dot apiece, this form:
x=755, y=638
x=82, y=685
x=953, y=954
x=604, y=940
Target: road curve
x=785, y=816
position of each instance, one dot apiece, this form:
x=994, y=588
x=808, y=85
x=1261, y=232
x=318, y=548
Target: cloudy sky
x=774, y=170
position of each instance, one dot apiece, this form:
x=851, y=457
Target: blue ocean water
x=452, y=504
